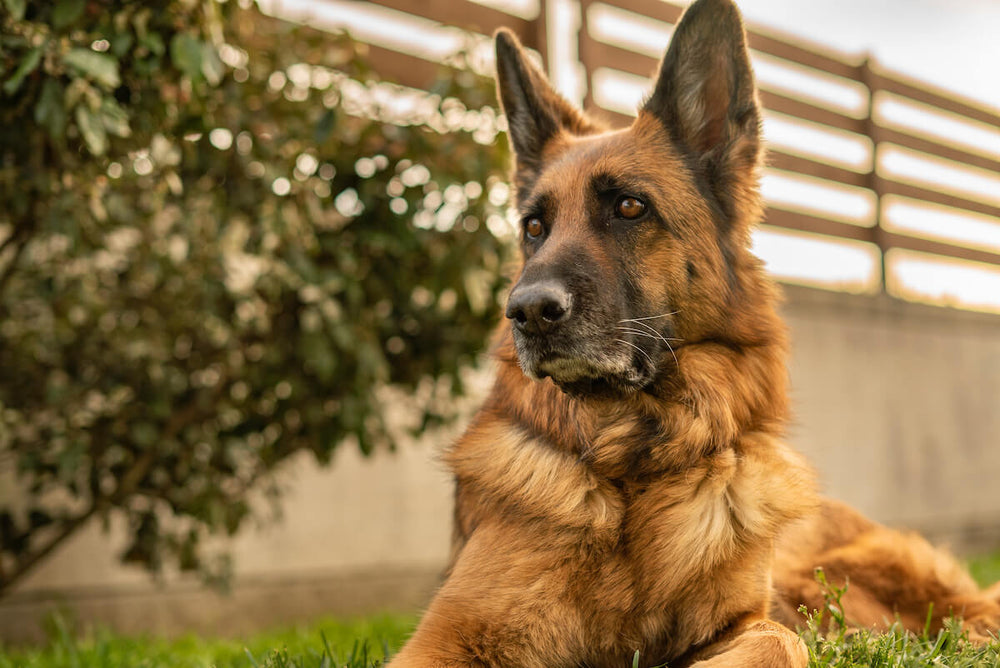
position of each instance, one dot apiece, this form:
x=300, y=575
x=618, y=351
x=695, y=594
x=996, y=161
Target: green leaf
x=121, y=43
x=100, y=67
x=154, y=42
x=67, y=12
x=16, y=8
x=50, y=112
x=211, y=66
x=186, y=53
x=76, y=91
x=28, y=65
x=114, y=118
x=92, y=130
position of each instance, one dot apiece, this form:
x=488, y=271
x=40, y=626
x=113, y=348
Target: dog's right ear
x=535, y=111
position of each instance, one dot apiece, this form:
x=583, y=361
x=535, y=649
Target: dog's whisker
x=651, y=330
x=632, y=345
x=637, y=332
x=672, y=353
x=646, y=336
x=654, y=335
x=649, y=333
x=651, y=317
x=646, y=326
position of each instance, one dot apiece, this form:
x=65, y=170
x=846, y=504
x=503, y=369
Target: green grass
x=832, y=644
x=986, y=569
x=363, y=643
x=899, y=648
x=328, y=643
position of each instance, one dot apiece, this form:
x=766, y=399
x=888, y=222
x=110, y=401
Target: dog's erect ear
x=706, y=97
x=535, y=112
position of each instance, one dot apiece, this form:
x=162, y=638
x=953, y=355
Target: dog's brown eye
x=630, y=208
x=533, y=228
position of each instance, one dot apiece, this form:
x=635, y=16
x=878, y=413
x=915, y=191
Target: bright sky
x=954, y=44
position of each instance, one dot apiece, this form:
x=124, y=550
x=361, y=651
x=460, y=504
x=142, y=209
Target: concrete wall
x=896, y=404
x=361, y=536
x=898, y=407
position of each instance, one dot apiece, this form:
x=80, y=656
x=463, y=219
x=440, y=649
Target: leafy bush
x=219, y=238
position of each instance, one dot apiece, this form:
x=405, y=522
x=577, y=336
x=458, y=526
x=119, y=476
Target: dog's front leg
x=759, y=643
x=502, y=606
x=472, y=632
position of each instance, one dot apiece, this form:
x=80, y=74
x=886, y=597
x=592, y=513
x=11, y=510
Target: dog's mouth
x=612, y=369
x=604, y=385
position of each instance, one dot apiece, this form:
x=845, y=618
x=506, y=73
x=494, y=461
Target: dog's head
x=635, y=240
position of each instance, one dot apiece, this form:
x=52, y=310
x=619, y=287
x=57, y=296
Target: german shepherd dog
x=625, y=487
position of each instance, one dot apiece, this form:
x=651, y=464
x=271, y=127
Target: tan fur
x=889, y=575
x=591, y=525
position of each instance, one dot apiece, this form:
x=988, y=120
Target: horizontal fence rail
x=863, y=162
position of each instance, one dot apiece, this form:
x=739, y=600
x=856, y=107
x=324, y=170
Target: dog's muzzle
x=568, y=339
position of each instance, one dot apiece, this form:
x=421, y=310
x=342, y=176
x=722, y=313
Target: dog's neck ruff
x=715, y=394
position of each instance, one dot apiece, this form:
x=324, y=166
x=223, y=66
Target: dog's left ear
x=706, y=97
x=535, y=112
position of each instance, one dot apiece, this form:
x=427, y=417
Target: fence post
x=585, y=55
x=542, y=35
x=871, y=81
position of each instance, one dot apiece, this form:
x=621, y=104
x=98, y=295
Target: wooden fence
x=872, y=122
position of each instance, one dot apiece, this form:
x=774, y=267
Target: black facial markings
x=604, y=182
x=610, y=188
x=535, y=203
x=723, y=220
x=607, y=191
x=524, y=183
x=634, y=306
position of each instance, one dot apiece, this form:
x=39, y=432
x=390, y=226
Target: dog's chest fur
x=664, y=556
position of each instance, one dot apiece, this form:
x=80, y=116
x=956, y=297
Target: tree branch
x=27, y=563
x=126, y=486
x=14, y=238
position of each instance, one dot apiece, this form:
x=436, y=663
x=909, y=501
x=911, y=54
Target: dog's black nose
x=537, y=308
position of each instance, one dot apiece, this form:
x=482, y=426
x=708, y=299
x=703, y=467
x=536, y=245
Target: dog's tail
x=982, y=616
x=993, y=592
